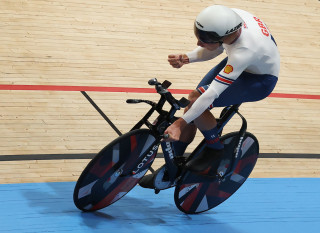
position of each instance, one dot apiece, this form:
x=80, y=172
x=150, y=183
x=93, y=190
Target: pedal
x=160, y=182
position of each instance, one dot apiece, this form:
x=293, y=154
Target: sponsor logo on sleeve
x=228, y=69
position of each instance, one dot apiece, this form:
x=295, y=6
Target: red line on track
x=128, y=90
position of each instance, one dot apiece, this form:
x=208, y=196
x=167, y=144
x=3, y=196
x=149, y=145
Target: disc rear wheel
x=195, y=194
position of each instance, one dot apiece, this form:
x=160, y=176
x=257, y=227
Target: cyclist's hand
x=174, y=130
x=178, y=60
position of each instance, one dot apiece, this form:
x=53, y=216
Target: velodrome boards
x=50, y=50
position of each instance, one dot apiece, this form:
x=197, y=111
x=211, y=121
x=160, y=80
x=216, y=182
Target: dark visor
x=206, y=37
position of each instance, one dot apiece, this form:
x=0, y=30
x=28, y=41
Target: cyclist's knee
x=193, y=96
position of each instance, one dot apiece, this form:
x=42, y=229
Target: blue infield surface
x=264, y=205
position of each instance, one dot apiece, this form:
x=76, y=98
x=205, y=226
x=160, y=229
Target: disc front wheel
x=115, y=170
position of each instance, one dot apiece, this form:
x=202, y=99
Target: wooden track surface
x=123, y=44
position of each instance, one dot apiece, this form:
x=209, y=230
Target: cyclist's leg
x=247, y=88
x=213, y=151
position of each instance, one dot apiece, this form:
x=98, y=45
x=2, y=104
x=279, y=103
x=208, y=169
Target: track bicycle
x=119, y=166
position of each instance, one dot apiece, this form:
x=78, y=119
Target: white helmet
x=215, y=22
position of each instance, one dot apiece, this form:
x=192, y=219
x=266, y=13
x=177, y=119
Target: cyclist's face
x=211, y=46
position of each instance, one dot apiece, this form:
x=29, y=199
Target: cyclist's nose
x=199, y=43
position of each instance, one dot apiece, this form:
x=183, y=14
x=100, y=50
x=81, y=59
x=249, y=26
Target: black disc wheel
x=115, y=170
x=195, y=194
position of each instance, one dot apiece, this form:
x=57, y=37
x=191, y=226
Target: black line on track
x=101, y=113
x=160, y=155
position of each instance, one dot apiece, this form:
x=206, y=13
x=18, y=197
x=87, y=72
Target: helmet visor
x=206, y=37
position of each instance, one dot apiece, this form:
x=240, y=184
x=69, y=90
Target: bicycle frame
x=165, y=118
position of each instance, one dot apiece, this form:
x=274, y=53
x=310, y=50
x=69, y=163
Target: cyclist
x=248, y=73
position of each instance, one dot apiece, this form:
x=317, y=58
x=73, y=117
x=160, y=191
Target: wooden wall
x=124, y=43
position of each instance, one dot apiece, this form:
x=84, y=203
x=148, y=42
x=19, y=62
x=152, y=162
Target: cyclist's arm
x=222, y=81
x=202, y=54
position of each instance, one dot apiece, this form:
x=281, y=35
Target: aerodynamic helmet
x=215, y=22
